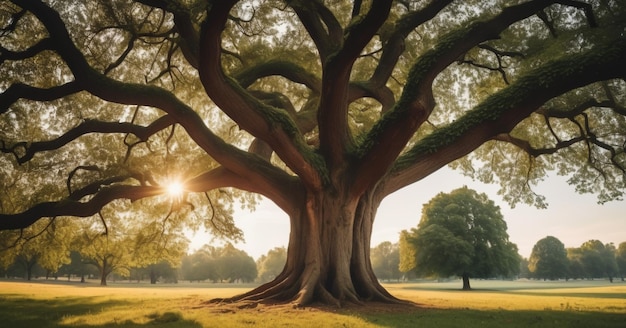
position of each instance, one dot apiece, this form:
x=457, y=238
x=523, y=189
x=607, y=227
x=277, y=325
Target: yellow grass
x=576, y=296
x=492, y=304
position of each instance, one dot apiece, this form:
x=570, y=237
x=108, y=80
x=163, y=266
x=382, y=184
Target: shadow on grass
x=466, y=318
x=19, y=311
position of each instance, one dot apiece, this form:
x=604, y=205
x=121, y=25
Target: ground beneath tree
x=349, y=308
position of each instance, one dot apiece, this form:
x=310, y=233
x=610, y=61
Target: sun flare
x=175, y=189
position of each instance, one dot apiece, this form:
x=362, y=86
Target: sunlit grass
x=492, y=304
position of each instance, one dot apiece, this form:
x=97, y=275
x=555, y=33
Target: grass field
x=490, y=304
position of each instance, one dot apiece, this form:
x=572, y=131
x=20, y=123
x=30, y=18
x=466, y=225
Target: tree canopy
x=323, y=107
x=462, y=233
x=548, y=259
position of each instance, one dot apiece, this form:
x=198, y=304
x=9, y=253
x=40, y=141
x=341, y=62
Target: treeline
x=211, y=264
x=550, y=260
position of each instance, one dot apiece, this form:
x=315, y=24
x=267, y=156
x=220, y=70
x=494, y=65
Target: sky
x=570, y=217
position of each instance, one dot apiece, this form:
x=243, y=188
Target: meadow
x=490, y=304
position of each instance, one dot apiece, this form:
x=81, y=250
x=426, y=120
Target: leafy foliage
x=462, y=233
x=224, y=264
x=269, y=266
x=386, y=261
x=328, y=105
x=548, y=259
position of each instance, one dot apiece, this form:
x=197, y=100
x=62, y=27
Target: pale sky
x=570, y=217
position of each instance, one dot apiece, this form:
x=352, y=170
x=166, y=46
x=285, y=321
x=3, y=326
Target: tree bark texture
x=328, y=256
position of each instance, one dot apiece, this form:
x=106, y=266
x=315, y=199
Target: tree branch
x=506, y=108
x=309, y=14
x=270, y=124
x=388, y=137
x=279, y=67
x=70, y=207
x=22, y=91
x=25, y=151
x=332, y=117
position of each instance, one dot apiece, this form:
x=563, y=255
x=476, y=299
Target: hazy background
x=570, y=217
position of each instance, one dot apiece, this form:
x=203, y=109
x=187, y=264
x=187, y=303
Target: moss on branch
x=535, y=87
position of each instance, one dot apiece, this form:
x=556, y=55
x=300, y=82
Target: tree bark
x=328, y=256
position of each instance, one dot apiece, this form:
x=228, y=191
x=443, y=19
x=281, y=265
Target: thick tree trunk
x=466, y=282
x=328, y=256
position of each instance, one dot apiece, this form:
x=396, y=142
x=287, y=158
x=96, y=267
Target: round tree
x=463, y=233
x=324, y=107
x=548, y=259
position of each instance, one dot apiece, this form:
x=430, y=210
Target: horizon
x=566, y=217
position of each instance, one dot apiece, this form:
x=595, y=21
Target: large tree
x=548, y=259
x=323, y=107
x=462, y=233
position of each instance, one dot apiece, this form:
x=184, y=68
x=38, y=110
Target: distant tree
x=46, y=243
x=620, y=259
x=548, y=259
x=524, y=272
x=107, y=248
x=77, y=266
x=463, y=233
x=269, y=266
x=233, y=265
x=610, y=261
x=386, y=261
x=576, y=269
x=162, y=270
x=159, y=246
x=200, y=265
x=598, y=259
x=407, y=254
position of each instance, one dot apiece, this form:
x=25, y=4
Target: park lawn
x=491, y=304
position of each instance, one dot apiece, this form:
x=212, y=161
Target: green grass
x=491, y=304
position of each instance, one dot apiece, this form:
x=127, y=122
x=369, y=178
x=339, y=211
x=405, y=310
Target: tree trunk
x=466, y=282
x=153, y=276
x=103, y=273
x=328, y=256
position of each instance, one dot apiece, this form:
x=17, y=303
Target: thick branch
x=309, y=14
x=236, y=160
x=270, y=124
x=189, y=35
x=333, y=113
x=74, y=208
x=286, y=69
x=387, y=139
x=505, y=109
x=22, y=91
x=283, y=190
x=37, y=48
x=87, y=127
x=394, y=43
